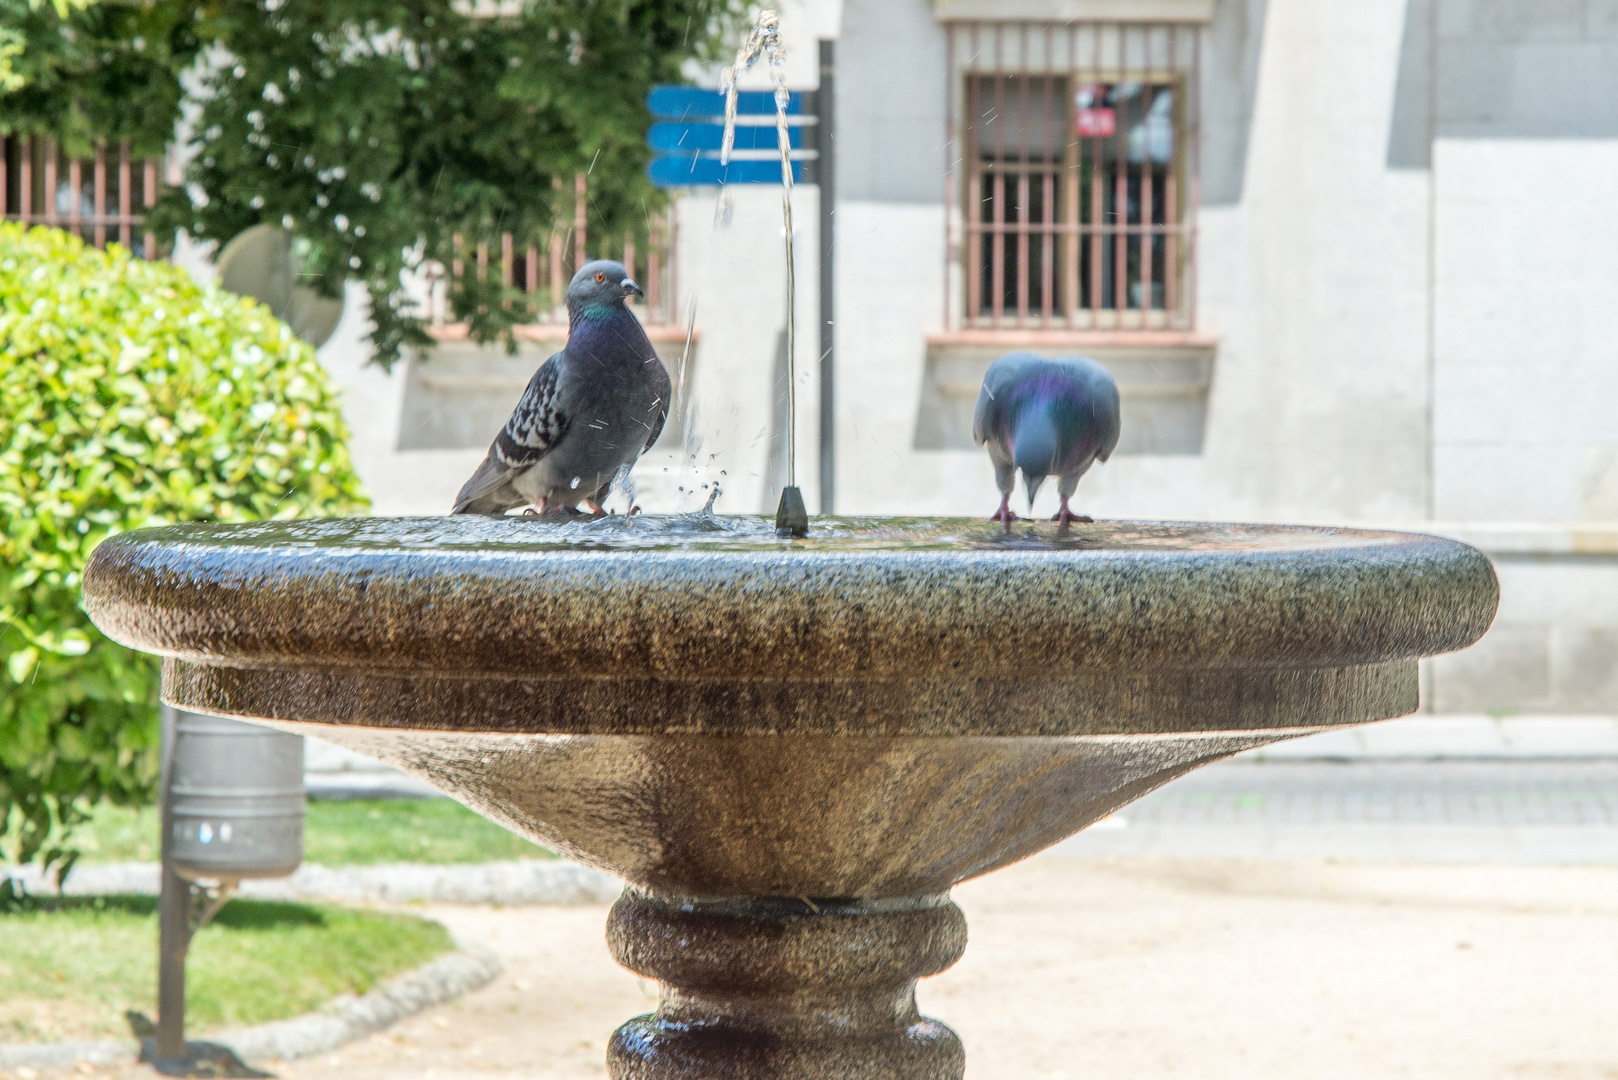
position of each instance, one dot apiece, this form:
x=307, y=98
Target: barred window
x=1073, y=175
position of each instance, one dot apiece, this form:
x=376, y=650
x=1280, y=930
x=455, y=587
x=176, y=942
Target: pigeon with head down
x=1046, y=418
x=590, y=410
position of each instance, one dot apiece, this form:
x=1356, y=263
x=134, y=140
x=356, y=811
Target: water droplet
x=575, y=482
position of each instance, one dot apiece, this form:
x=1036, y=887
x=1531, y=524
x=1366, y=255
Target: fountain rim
x=732, y=616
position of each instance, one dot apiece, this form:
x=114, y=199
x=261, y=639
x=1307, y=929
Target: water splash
x=685, y=402
x=765, y=39
x=724, y=210
x=624, y=481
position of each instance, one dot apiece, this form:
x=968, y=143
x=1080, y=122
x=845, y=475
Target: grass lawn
x=358, y=833
x=71, y=967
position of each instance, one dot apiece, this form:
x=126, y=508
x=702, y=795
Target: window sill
x=1164, y=377
x=1074, y=339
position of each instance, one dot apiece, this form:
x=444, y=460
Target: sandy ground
x=1137, y=969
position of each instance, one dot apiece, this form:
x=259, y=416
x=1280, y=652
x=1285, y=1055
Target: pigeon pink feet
x=1005, y=513
x=1067, y=517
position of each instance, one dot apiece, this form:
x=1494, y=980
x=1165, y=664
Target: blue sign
x=690, y=170
x=683, y=102
x=691, y=138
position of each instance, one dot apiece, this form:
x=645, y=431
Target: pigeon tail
x=1036, y=446
x=1032, y=481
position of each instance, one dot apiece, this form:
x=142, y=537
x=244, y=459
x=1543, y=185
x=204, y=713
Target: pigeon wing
x=984, y=416
x=536, y=425
x=665, y=389
x=1107, y=411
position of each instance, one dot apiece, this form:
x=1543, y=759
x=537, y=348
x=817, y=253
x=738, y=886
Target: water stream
x=765, y=40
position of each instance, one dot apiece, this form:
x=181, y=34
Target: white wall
x=1526, y=333
x=1316, y=282
x=412, y=482
x=735, y=274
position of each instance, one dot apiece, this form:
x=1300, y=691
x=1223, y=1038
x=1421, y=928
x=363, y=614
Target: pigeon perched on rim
x=1045, y=417
x=589, y=410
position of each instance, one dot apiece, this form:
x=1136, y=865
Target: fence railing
x=541, y=270
x=101, y=197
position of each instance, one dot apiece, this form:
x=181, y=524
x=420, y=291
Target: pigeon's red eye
x=600, y=276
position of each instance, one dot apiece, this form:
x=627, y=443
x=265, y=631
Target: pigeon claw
x=1067, y=517
x=1005, y=513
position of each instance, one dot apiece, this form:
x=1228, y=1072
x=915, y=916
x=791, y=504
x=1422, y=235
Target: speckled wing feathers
x=536, y=425
x=664, y=390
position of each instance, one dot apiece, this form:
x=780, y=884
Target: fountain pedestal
x=791, y=751
x=786, y=987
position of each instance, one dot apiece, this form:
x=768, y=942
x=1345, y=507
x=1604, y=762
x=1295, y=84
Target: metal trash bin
x=233, y=803
x=237, y=800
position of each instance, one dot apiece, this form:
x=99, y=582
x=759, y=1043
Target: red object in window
x=1098, y=123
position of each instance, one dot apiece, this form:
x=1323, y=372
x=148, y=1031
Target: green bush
x=129, y=396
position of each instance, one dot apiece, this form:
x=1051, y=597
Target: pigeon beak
x=630, y=288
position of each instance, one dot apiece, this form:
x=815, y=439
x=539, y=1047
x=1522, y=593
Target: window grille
x=100, y=198
x=1072, y=175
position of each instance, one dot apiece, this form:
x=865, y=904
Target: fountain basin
x=791, y=750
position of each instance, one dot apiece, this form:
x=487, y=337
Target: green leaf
x=21, y=663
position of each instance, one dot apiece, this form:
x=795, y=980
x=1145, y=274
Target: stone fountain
x=790, y=750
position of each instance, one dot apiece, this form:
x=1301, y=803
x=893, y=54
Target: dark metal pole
x=826, y=168
x=173, y=918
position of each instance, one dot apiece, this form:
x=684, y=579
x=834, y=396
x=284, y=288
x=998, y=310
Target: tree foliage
x=379, y=129
x=84, y=72
x=129, y=396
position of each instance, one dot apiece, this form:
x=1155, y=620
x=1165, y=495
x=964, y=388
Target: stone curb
x=340, y=1022
x=66, y=1055
x=515, y=883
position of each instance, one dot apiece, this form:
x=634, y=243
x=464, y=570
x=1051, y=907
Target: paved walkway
x=1509, y=794
x=1514, y=811
x=1138, y=969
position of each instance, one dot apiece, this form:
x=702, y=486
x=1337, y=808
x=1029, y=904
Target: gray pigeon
x=588, y=411
x=1043, y=417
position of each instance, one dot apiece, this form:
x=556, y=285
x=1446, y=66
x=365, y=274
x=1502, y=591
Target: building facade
x=1350, y=263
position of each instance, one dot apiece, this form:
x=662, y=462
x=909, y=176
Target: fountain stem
x=786, y=988
x=791, y=518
